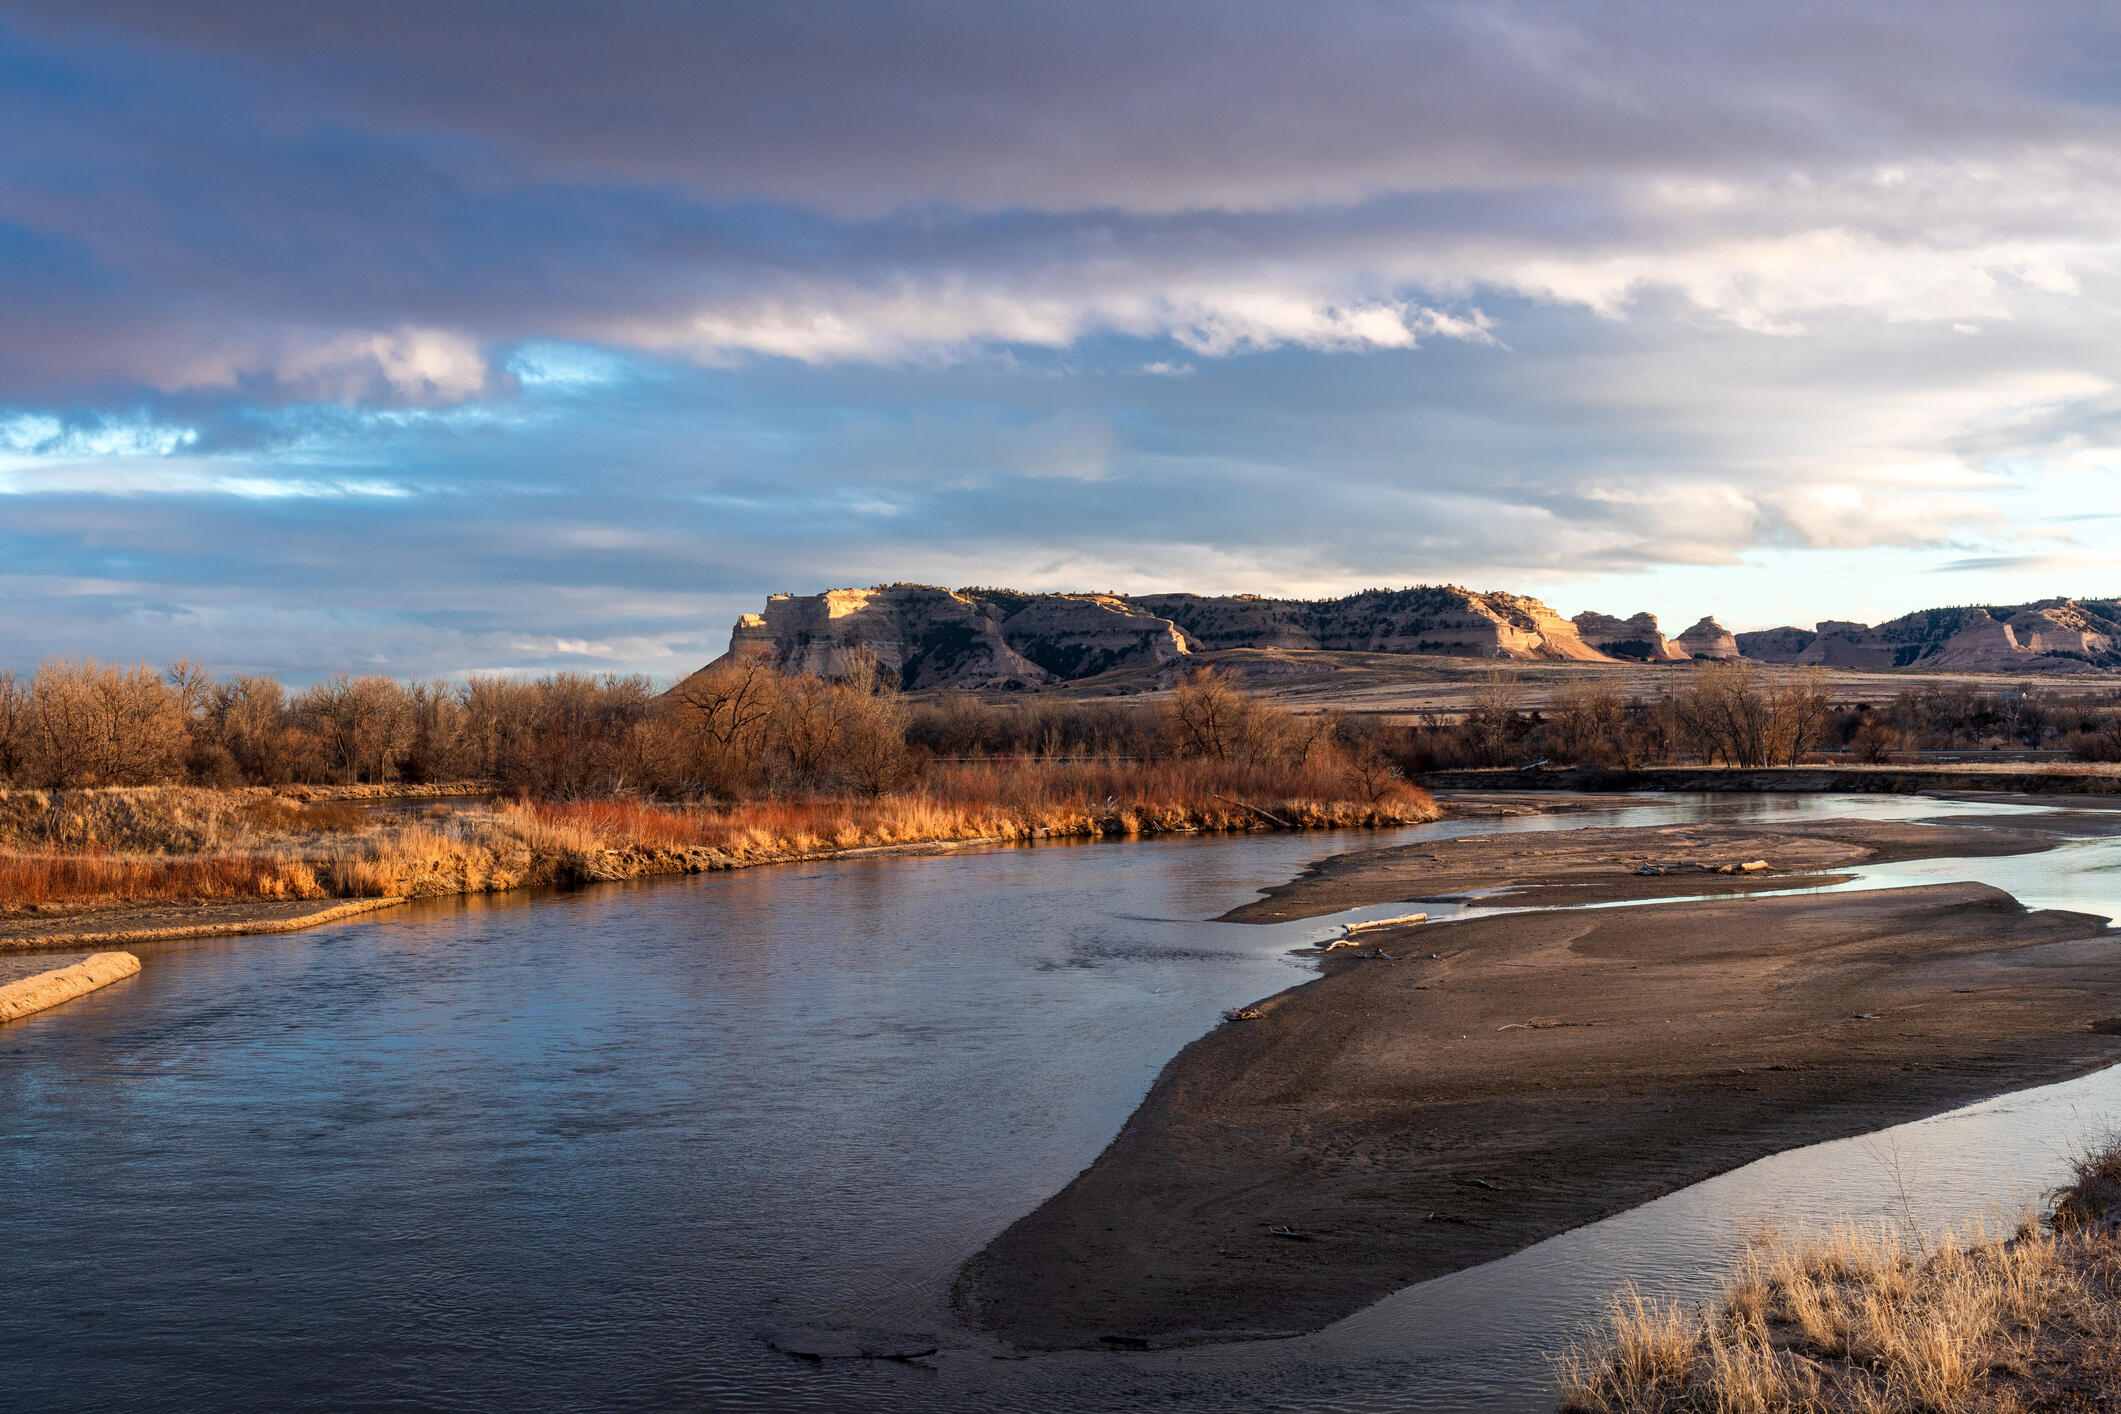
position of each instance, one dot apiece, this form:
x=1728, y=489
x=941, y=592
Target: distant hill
x=2052, y=636
x=1009, y=640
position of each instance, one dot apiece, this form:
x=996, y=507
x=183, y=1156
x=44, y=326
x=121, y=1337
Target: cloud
x=1983, y=563
x=953, y=319
x=468, y=342
x=367, y=211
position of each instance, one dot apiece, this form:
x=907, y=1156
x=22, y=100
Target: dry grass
x=106, y=847
x=35, y=879
x=1858, y=1320
x=1003, y=800
x=2093, y=1194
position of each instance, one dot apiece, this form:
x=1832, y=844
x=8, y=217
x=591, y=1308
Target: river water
x=627, y=1147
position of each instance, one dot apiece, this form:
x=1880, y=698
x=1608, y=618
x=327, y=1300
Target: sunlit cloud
x=380, y=343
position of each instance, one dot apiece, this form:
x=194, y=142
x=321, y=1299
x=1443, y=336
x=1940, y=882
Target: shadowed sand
x=1411, y=1118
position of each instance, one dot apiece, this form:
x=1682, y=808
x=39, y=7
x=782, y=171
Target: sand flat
x=1407, y=1119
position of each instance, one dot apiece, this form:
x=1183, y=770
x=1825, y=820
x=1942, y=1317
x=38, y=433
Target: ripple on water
x=610, y=1149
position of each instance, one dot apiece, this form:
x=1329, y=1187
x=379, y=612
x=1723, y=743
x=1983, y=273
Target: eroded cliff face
x=1636, y=638
x=1076, y=636
x=2091, y=631
x=930, y=637
x=2052, y=636
x=1002, y=638
x=1441, y=619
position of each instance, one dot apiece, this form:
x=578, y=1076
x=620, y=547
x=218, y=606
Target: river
x=627, y=1147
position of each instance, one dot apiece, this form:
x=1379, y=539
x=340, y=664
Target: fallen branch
x=1264, y=815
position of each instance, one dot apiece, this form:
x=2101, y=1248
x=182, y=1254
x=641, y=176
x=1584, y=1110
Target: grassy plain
x=1406, y=685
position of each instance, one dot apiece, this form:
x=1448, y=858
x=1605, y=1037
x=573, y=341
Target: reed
x=51, y=876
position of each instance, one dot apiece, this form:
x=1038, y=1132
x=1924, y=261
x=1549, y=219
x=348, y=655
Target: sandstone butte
x=1636, y=638
x=1005, y=639
x=63, y=984
x=2052, y=636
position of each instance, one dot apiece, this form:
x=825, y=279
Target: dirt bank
x=164, y=921
x=1610, y=865
x=1407, y=1119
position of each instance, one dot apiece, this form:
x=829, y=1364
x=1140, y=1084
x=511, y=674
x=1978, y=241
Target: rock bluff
x=2052, y=636
x=1636, y=638
x=1004, y=639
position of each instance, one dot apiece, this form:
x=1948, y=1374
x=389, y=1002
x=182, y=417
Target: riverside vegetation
x=126, y=785
x=1742, y=715
x=1880, y=1321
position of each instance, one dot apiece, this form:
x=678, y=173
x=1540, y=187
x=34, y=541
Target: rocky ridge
x=1441, y=619
x=1007, y=640
x=2051, y=636
x=1002, y=639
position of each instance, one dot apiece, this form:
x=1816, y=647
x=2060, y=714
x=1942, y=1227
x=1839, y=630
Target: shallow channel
x=626, y=1147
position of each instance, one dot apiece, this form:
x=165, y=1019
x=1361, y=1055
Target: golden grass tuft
x=1857, y=1319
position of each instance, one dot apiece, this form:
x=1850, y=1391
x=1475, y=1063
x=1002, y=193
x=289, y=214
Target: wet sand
x=1406, y=1119
x=1606, y=865
x=2084, y=824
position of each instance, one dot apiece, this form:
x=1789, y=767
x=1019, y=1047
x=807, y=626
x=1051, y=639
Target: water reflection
x=608, y=1149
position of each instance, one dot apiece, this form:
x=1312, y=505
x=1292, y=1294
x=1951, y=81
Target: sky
x=438, y=337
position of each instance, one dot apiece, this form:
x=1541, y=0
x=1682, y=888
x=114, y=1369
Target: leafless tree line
x=85, y=723
x=1740, y=714
x=739, y=729
x=744, y=729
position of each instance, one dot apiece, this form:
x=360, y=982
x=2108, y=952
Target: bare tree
x=248, y=717
x=1204, y=714
x=1728, y=714
x=1589, y=724
x=14, y=726
x=871, y=749
x=1369, y=768
x=728, y=712
x=1736, y=720
x=365, y=724
x=1798, y=708
x=91, y=724
x=807, y=727
x=1490, y=714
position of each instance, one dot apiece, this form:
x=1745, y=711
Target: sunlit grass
x=89, y=847
x=1863, y=1319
